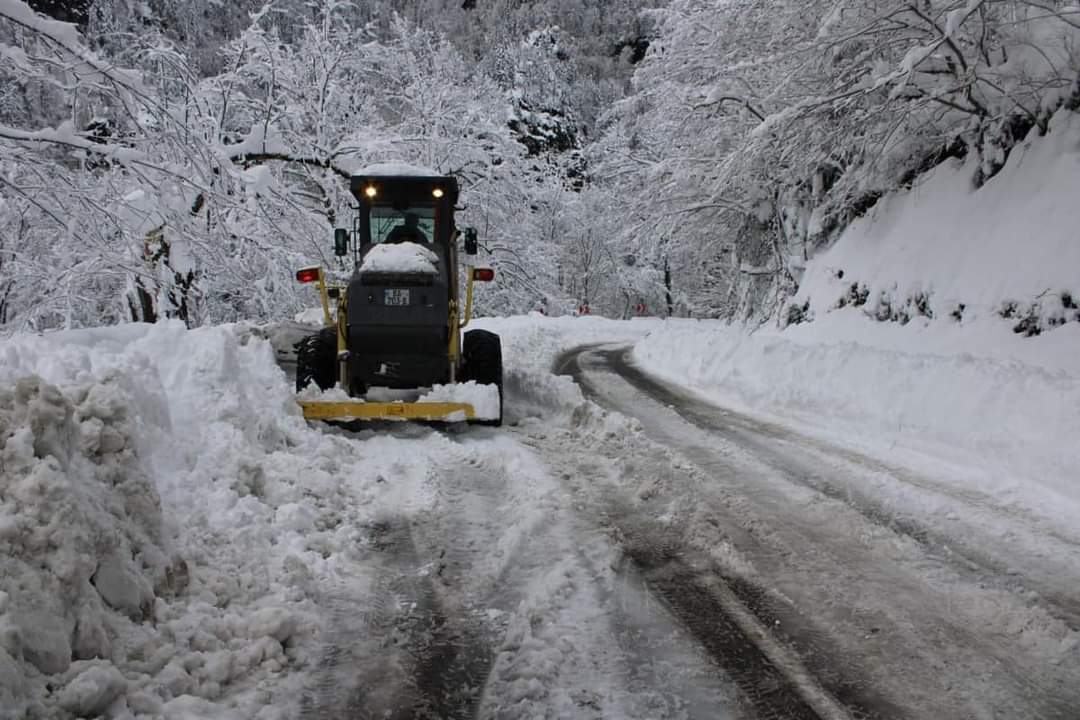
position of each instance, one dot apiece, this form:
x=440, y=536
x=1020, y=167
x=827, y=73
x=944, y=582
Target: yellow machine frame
x=362, y=410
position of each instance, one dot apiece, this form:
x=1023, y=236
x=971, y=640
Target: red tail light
x=483, y=274
x=307, y=275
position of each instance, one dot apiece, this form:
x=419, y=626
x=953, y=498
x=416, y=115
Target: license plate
x=396, y=296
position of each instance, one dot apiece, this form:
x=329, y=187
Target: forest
x=181, y=159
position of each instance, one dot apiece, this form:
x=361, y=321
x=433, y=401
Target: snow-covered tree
x=758, y=130
x=154, y=191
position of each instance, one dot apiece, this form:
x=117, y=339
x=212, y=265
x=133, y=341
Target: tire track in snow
x=937, y=630
x=763, y=441
x=726, y=617
x=773, y=681
x=395, y=653
x=518, y=548
x=425, y=644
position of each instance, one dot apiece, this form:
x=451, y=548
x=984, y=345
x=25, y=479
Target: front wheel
x=315, y=357
x=482, y=363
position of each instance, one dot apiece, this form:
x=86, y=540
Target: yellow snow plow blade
x=345, y=411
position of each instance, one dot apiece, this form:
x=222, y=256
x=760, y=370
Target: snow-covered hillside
x=942, y=323
x=946, y=250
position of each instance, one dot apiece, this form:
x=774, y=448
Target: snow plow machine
x=394, y=348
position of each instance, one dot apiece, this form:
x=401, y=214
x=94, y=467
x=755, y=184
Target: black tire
x=315, y=358
x=482, y=362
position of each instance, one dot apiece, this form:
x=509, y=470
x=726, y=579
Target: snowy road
x=672, y=559
x=498, y=597
x=899, y=597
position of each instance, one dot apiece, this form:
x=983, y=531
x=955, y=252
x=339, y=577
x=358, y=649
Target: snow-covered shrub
x=1049, y=311
x=798, y=314
x=856, y=296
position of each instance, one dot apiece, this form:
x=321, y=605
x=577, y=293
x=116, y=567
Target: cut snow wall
x=146, y=536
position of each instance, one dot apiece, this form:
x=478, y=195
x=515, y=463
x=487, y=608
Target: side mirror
x=472, y=245
x=341, y=242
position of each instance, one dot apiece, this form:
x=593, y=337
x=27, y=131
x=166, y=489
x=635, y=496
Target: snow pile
x=312, y=393
x=483, y=398
x=80, y=540
x=946, y=250
x=168, y=523
x=405, y=257
x=532, y=343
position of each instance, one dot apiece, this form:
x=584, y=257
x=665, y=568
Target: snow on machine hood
x=406, y=257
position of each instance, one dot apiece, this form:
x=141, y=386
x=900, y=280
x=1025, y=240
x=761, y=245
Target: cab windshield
x=393, y=225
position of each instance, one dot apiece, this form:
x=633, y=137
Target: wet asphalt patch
x=427, y=664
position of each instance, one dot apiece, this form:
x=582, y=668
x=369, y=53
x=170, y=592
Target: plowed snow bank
x=914, y=387
x=531, y=343
x=164, y=513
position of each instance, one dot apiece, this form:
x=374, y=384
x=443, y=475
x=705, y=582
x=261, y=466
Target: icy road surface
x=900, y=597
x=664, y=558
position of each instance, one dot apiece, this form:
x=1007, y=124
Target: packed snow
x=483, y=398
x=405, y=258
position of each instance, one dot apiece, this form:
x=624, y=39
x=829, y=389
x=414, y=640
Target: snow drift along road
x=917, y=393
x=156, y=539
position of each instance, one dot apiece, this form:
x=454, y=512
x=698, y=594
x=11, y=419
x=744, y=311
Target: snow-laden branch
x=67, y=136
x=65, y=36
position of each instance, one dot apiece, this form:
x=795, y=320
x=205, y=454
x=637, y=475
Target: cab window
x=414, y=224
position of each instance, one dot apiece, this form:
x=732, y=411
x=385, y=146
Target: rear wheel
x=482, y=356
x=315, y=357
